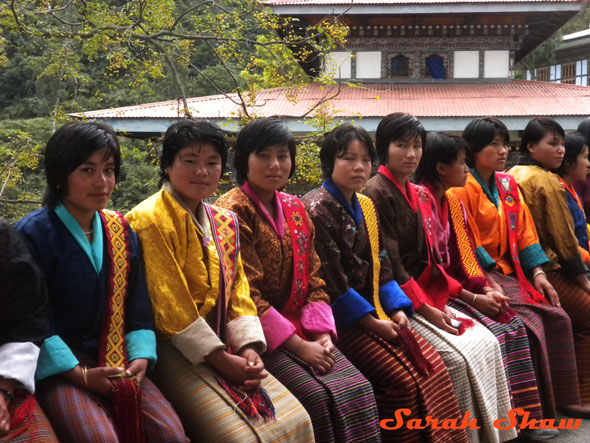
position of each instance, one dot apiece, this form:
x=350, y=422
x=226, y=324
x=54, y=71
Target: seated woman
x=541, y=150
x=210, y=339
x=582, y=187
x=574, y=168
x=368, y=305
x=277, y=240
x=443, y=166
x=92, y=367
x=471, y=352
x=507, y=248
x=23, y=326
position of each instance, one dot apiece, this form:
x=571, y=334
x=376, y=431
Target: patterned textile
x=551, y=344
x=268, y=262
x=397, y=385
x=79, y=417
x=210, y=415
x=350, y=259
x=474, y=362
x=35, y=429
x=576, y=303
x=341, y=402
x=112, y=341
x=474, y=359
x=508, y=329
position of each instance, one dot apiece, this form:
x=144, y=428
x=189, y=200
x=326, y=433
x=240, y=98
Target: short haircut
x=336, y=143
x=536, y=129
x=396, y=127
x=257, y=136
x=574, y=145
x=186, y=133
x=584, y=128
x=69, y=147
x=480, y=132
x=439, y=148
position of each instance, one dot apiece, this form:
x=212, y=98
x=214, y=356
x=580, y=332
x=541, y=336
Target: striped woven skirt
x=516, y=354
x=209, y=414
x=576, y=302
x=397, y=384
x=552, y=347
x=34, y=427
x=341, y=403
x=474, y=362
x=79, y=416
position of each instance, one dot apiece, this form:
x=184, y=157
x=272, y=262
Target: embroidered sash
x=126, y=398
x=372, y=223
x=508, y=194
x=466, y=249
x=300, y=237
x=433, y=280
x=225, y=232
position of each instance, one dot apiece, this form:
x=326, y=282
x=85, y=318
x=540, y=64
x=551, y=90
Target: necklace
x=89, y=232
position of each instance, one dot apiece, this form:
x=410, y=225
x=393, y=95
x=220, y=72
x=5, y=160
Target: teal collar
x=93, y=251
x=492, y=193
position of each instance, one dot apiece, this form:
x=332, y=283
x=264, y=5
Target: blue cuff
x=55, y=357
x=141, y=344
x=532, y=256
x=485, y=260
x=394, y=299
x=350, y=308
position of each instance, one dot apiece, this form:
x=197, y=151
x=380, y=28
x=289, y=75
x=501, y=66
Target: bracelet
x=85, y=375
x=8, y=395
x=539, y=272
x=474, y=298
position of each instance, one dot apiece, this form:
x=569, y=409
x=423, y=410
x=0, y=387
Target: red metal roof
x=512, y=98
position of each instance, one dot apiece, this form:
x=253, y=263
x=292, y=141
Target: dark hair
x=336, y=142
x=185, y=133
x=584, y=128
x=257, y=136
x=69, y=147
x=439, y=148
x=480, y=132
x=394, y=127
x=574, y=145
x=536, y=129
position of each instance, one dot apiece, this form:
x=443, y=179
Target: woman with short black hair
x=404, y=212
x=370, y=309
x=210, y=339
x=101, y=337
x=277, y=240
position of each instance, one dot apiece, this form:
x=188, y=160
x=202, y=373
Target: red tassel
x=506, y=316
x=254, y=404
x=466, y=323
x=414, y=352
x=128, y=417
x=22, y=417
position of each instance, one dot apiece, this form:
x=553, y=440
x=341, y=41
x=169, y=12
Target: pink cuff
x=414, y=292
x=317, y=318
x=277, y=329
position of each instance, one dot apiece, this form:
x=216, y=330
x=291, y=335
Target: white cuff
x=18, y=361
x=246, y=330
x=197, y=341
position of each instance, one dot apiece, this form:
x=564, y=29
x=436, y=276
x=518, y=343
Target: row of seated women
x=465, y=296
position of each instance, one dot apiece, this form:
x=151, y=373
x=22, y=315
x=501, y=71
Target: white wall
x=338, y=65
x=368, y=64
x=466, y=64
x=496, y=64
